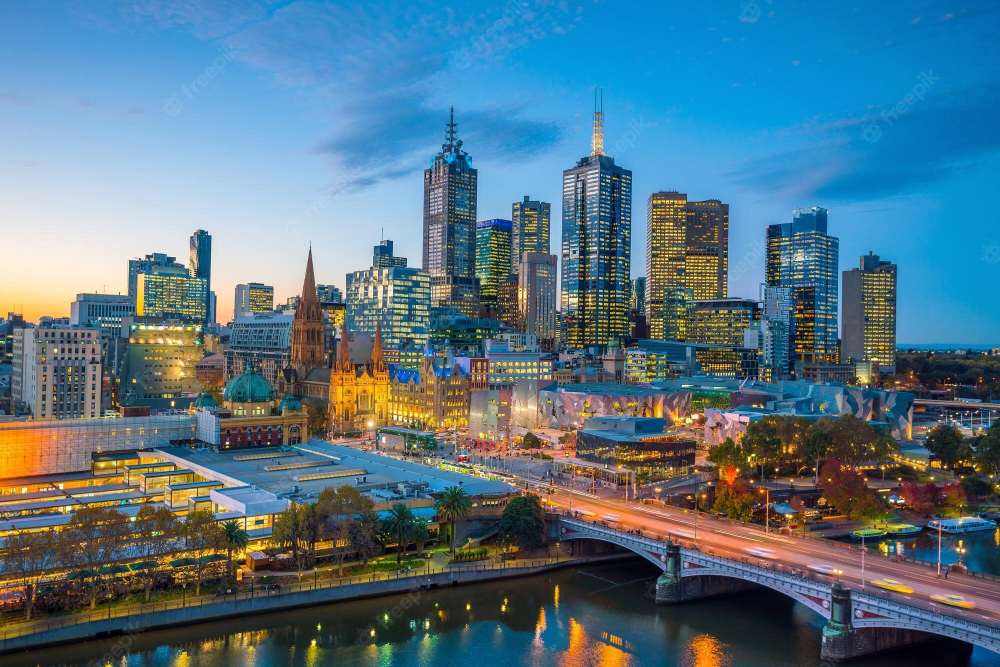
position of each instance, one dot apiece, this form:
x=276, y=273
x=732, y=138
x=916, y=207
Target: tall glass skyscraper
x=200, y=266
x=493, y=248
x=596, y=246
x=450, y=191
x=530, y=229
x=802, y=256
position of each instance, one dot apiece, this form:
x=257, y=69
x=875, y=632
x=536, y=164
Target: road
x=723, y=538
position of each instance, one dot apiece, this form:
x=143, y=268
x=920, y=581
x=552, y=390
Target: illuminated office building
x=638, y=300
x=147, y=264
x=777, y=323
x=722, y=321
x=171, y=294
x=383, y=257
x=536, y=294
x=450, y=191
x=392, y=298
x=200, y=266
x=676, y=305
x=332, y=293
x=596, y=247
x=493, y=244
x=253, y=298
x=160, y=364
x=56, y=372
x=529, y=230
x=687, y=248
x=869, y=326
x=802, y=256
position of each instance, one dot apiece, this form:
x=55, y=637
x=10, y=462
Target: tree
x=762, y=443
x=341, y=511
x=156, y=533
x=952, y=500
x=523, y=523
x=947, y=443
x=988, y=450
x=289, y=532
x=846, y=490
x=203, y=537
x=921, y=498
x=399, y=524
x=236, y=540
x=728, y=457
x=313, y=529
x=735, y=500
x=364, y=536
x=817, y=445
x=28, y=556
x=531, y=441
x=420, y=533
x=92, y=539
x=452, y=506
x=854, y=442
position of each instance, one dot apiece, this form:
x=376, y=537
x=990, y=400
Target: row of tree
x=98, y=537
x=953, y=449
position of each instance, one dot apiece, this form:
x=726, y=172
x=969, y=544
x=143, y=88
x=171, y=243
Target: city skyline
x=159, y=168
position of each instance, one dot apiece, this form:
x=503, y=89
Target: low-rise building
x=645, y=445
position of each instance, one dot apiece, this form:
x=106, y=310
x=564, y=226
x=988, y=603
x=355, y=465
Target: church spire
x=309, y=282
x=597, y=136
x=344, y=353
x=308, y=337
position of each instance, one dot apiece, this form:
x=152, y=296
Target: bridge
x=860, y=619
x=968, y=414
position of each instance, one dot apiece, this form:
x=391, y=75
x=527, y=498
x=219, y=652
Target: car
x=953, y=600
x=761, y=552
x=611, y=518
x=892, y=585
x=823, y=568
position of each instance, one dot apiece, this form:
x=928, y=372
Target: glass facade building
x=596, y=247
x=536, y=294
x=869, y=324
x=173, y=295
x=722, y=321
x=493, y=251
x=251, y=298
x=200, y=266
x=802, y=256
x=531, y=221
x=160, y=365
x=450, y=192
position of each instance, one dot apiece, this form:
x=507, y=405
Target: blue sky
x=125, y=125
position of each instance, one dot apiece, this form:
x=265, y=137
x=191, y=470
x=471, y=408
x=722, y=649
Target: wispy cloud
x=889, y=150
x=383, y=71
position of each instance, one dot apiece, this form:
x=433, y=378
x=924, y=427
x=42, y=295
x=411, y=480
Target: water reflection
x=603, y=616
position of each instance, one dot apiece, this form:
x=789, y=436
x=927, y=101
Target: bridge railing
x=898, y=610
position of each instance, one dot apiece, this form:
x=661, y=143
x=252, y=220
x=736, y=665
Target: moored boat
x=902, y=529
x=869, y=533
x=964, y=524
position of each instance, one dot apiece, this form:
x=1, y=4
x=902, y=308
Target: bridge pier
x=672, y=588
x=843, y=642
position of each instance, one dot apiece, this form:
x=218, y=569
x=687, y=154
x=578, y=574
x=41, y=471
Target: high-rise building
x=802, y=256
x=57, y=371
x=103, y=311
x=159, y=367
x=536, y=294
x=687, y=247
x=450, y=191
x=308, y=329
x=722, y=321
x=8, y=326
x=167, y=293
x=383, y=257
x=706, y=255
x=253, y=298
x=329, y=294
x=596, y=246
x=493, y=244
x=777, y=323
x=147, y=264
x=869, y=326
x=200, y=266
x=529, y=229
x=638, y=299
x=391, y=298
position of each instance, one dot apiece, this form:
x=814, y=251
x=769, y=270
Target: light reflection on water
x=565, y=618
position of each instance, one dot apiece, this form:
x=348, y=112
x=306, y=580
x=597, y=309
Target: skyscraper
x=596, y=246
x=777, y=323
x=536, y=294
x=450, y=191
x=802, y=256
x=529, y=230
x=391, y=298
x=493, y=244
x=869, y=325
x=146, y=265
x=687, y=247
x=251, y=298
x=200, y=265
x=382, y=256
x=171, y=293
x=638, y=298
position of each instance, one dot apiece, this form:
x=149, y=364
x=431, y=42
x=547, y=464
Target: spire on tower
x=597, y=136
x=309, y=282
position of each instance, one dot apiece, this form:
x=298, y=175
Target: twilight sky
x=272, y=123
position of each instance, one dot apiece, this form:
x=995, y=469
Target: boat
x=869, y=533
x=965, y=524
x=902, y=529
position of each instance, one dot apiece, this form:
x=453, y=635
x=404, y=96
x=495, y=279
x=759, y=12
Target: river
x=600, y=615
x=979, y=551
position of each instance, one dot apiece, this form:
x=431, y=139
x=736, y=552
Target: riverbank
x=126, y=621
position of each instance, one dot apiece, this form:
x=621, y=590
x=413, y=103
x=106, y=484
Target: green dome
x=289, y=403
x=251, y=387
x=204, y=400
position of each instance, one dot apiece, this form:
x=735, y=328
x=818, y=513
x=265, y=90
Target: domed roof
x=251, y=387
x=204, y=400
x=289, y=403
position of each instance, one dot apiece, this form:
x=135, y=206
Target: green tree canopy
x=452, y=506
x=523, y=522
x=948, y=444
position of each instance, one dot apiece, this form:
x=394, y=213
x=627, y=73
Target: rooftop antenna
x=597, y=136
x=451, y=133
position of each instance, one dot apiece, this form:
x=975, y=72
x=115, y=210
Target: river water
x=979, y=551
x=600, y=615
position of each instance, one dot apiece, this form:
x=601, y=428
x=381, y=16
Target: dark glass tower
x=596, y=247
x=200, y=265
x=450, y=190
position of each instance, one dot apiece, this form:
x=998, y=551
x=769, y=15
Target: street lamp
x=767, y=509
x=960, y=549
